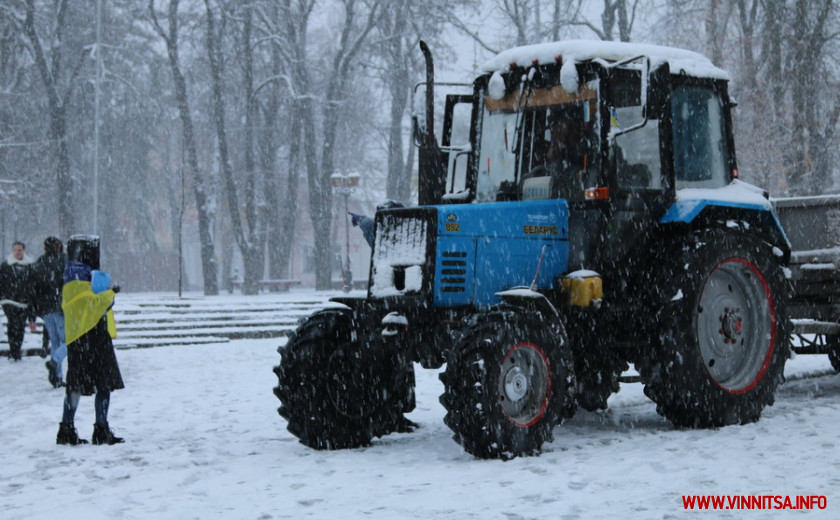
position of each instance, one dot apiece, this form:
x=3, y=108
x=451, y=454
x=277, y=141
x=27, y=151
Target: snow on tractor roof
x=679, y=60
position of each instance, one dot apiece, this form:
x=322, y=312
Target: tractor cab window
x=701, y=151
x=456, y=146
x=636, y=153
x=497, y=163
x=538, y=145
x=558, y=151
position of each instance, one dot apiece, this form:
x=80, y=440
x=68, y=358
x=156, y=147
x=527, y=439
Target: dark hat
x=84, y=249
x=52, y=244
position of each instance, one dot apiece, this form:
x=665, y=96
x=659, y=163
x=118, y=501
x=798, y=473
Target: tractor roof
x=679, y=60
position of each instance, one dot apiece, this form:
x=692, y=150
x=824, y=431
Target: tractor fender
x=526, y=298
x=738, y=205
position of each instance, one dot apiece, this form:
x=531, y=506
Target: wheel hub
x=732, y=325
x=524, y=385
x=516, y=384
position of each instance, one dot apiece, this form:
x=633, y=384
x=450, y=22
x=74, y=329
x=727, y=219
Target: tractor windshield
x=539, y=143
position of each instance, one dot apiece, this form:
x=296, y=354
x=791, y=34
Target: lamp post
x=343, y=184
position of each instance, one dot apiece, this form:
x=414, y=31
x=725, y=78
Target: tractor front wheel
x=337, y=390
x=508, y=382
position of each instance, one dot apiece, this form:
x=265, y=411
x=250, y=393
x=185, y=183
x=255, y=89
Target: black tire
x=833, y=343
x=597, y=378
x=336, y=386
x=597, y=366
x=723, y=337
x=495, y=408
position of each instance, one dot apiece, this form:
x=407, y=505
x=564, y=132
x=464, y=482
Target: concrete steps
x=163, y=319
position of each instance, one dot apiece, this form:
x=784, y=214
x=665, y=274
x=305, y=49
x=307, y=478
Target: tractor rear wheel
x=507, y=383
x=337, y=389
x=723, y=338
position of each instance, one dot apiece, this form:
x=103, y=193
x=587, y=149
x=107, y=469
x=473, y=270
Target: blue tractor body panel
x=687, y=208
x=486, y=248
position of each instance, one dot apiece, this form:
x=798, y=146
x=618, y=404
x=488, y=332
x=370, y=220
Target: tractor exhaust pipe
x=431, y=170
x=430, y=91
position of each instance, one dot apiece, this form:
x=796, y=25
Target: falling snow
x=204, y=441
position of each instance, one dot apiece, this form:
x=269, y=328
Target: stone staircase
x=163, y=319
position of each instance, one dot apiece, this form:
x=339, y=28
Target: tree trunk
x=58, y=135
x=399, y=86
x=57, y=112
x=280, y=228
x=250, y=249
x=288, y=211
x=205, y=218
x=320, y=190
x=320, y=194
x=255, y=261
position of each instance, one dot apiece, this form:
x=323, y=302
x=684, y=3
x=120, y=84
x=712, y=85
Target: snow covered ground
x=204, y=440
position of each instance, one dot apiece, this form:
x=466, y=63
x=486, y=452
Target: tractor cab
x=614, y=129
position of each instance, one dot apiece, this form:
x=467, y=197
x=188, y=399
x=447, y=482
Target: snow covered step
x=150, y=320
x=168, y=342
x=230, y=332
x=199, y=324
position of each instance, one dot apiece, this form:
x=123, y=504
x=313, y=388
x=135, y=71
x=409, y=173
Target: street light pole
x=348, y=274
x=96, y=94
x=343, y=185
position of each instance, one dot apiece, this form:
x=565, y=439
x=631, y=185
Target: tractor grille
x=453, y=272
x=403, y=259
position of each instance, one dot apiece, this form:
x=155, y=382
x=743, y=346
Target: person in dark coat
x=364, y=223
x=14, y=289
x=46, y=281
x=89, y=327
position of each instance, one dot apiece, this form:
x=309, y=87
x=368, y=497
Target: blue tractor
x=581, y=211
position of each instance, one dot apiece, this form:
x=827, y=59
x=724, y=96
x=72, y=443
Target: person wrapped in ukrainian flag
x=87, y=299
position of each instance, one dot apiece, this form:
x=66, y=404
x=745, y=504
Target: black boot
x=102, y=434
x=52, y=367
x=67, y=435
x=405, y=425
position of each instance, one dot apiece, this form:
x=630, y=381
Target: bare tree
x=205, y=218
x=786, y=52
x=616, y=12
x=250, y=237
x=397, y=77
x=810, y=37
x=404, y=23
x=534, y=21
x=286, y=28
x=359, y=19
x=50, y=65
x=281, y=216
